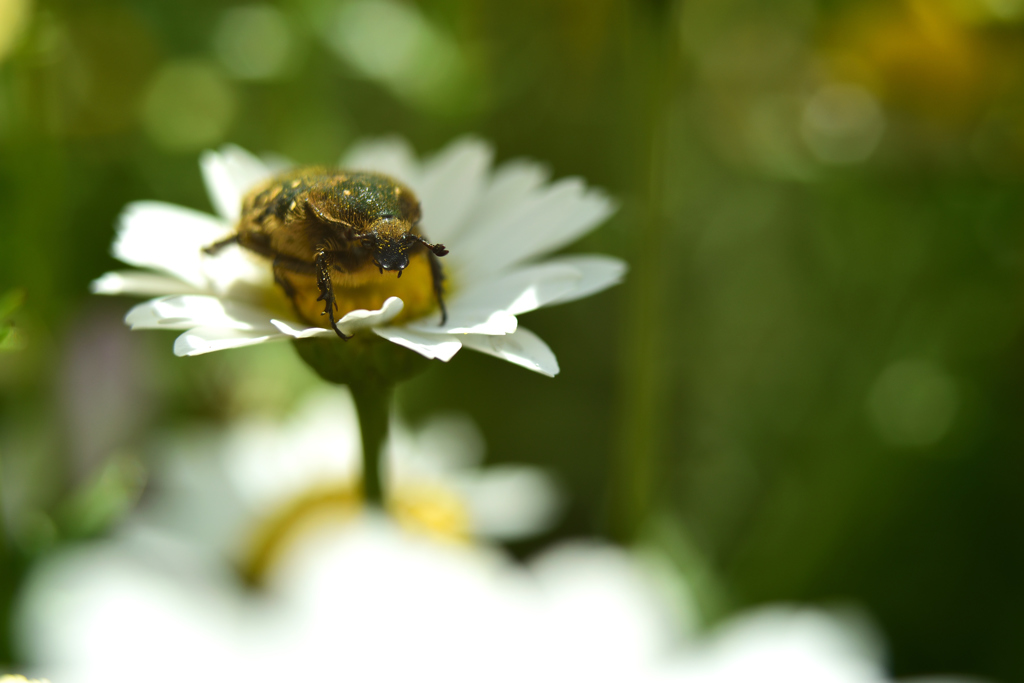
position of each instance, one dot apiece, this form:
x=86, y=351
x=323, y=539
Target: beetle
x=336, y=232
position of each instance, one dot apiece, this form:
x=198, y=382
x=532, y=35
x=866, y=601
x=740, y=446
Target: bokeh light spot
x=395, y=45
x=188, y=106
x=985, y=11
x=842, y=124
x=253, y=42
x=1006, y=9
x=912, y=403
x=14, y=15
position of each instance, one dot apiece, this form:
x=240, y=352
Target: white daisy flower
x=496, y=224
x=370, y=602
x=249, y=493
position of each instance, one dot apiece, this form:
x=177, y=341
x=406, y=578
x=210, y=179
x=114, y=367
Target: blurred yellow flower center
x=277, y=532
x=430, y=509
x=425, y=508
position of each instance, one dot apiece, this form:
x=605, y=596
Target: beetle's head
x=391, y=239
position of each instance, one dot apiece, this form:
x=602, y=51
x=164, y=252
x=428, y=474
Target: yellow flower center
x=368, y=288
x=425, y=508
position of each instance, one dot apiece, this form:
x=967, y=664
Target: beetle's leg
x=436, y=272
x=286, y=284
x=282, y=264
x=288, y=264
x=294, y=265
x=435, y=249
x=437, y=275
x=220, y=244
x=323, y=280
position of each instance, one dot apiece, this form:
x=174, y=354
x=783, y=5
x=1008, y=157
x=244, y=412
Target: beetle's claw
x=329, y=311
x=342, y=335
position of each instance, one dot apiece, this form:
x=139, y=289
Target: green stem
x=372, y=403
x=371, y=367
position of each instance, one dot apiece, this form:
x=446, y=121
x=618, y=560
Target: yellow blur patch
x=429, y=509
x=918, y=55
x=280, y=530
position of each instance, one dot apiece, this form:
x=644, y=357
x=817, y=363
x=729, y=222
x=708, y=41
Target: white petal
x=511, y=184
x=207, y=339
x=443, y=445
x=524, y=289
x=139, y=283
x=361, y=319
x=168, y=238
x=229, y=174
x=786, y=643
x=468, y=319
x=112, y=608
x=618, y=611
x=300, y=330
x=465, y=320
x=509, y=501
x=452, y=182
x=353, y=321
x=272, y=465
x=197, y=502
x=546, y=221
x=439, y=346
x=391, y=155
x=192, y=310
x=522, y=347
x=490, y=307
x=597, y=273
x=235, y=269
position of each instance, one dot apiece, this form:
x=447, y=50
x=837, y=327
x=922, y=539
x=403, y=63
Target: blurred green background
x=811, y=386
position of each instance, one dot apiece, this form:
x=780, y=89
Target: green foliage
x=10, y=302
x=810, y=386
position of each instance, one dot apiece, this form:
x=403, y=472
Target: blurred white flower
x=495, y=224
x=249, y=493
x=370, y=602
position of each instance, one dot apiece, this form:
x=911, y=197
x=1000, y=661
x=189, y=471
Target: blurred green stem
x=372, y=403
x=635, y=471
x=3, y=519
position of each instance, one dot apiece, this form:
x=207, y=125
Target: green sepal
x=363, y=360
